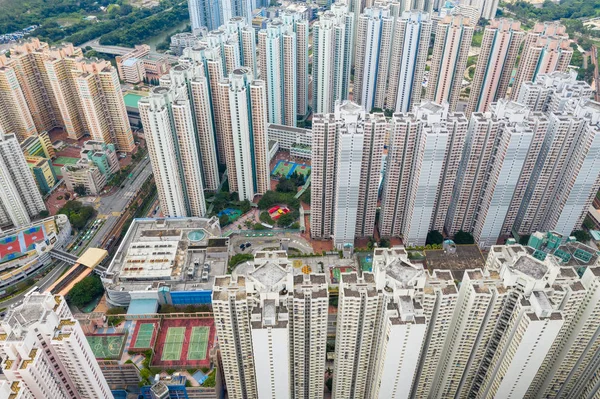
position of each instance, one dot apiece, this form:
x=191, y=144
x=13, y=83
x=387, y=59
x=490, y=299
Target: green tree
x=286, y=186
x=384, y=243
x=462, y=237
x=329, y=384
x=434, y=237
x=285, y=220
x=85, y=291
x=44, y=214
x=80, y=190
x=581, y=236
x=223, y=220
x=523, y=240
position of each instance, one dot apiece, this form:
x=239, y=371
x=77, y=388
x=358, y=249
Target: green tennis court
x=65, y=160
x=173, y=343
x=106, y=346
x=198, y=343
x=144, y=336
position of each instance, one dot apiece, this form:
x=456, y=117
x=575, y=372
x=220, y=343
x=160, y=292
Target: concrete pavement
x=111, y=206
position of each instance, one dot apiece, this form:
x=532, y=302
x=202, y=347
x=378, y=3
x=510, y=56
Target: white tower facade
x=332, y=44
x=20, y=198
x=42, y=341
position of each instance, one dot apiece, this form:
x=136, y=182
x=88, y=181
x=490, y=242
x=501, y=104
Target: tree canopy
x=462, y=237
x=434, y=237
x=581, y=236
x=85, y=291
x=77, y=213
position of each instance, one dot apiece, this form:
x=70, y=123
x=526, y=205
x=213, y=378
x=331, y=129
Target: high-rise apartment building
x=173, y=149
x=504, y=171
x=500, y=45
x=63, y=89
x=347, y=182
x=422, y=164
x=45, y=352
x=206, y=14
x=243, y=119
x=14, y=115
x=556, y=165
x=27, y=59
x=324, y=137
x=20, y=198
x=272, y=329
x=410, y=46
x=100, y=94
x=283, y=63
x=554, y=92
x=449, y=60
x=478, y=151
x=209, y=60
x=332, y=56
x=485, y=8
x=546, y=49
x=391, y=52
x=189, y=81
x=374, y=30
x=236, y=43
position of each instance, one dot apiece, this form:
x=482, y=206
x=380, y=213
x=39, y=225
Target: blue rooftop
x=142, y=306
x=130, y=62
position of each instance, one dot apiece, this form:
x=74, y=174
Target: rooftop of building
x=172, y=250
x=466, y=257
x=530, y=267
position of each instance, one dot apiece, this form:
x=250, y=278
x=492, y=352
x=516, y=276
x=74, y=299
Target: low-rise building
x=104, y=156
x=43, y=172
x=84, y=173
x=169, y=261
x=141, y=63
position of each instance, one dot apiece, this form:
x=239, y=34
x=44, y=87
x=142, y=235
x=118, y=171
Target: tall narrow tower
x=282, y=47
x=546, y=50
x=410, y=46
x=449, y=61
x=332, y=44
x=20, y=199
x=244, y=113
x=44, y=349
x=499, y=50
x=171, y=136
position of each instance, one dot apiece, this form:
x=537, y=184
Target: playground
x=366, y=261
x=276, y=211
x=107, y=346
x=231, y=213
x=143, y=335
x=285, y=169
x=62, y=161
x=184, y=342
x=335, y=273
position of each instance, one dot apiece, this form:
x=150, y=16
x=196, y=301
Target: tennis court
x=106, y=346
x=62, y=161
x=287, y=168
x=144, y=336
x=198, y=343
x=173, y=344
x=336, y=271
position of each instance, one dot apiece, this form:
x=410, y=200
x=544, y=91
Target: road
x=111, y=206
x=118, y=50
x=43, y=283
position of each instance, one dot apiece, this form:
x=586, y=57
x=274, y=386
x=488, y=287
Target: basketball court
x=106, y=346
